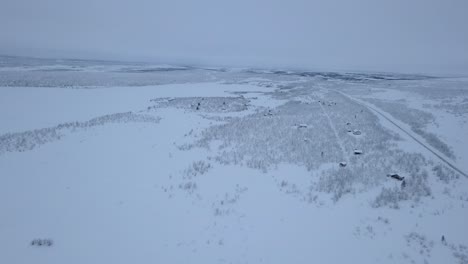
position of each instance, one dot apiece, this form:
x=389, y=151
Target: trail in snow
x=404, y=131
x=345, y=157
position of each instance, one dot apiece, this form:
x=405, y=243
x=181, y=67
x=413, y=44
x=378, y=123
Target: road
x=379, y=112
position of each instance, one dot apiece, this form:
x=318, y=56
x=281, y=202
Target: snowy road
x=406, y=131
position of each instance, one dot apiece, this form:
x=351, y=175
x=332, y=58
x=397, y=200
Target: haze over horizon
x=399, y=36
x=215, y=131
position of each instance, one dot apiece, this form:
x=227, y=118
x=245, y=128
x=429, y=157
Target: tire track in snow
x=343, y=150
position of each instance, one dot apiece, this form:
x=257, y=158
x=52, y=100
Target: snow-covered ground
x=121, y=163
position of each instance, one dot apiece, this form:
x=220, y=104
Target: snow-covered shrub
x=419, y=243
x=197, y=168
x=204, y=104
x=42, y=242
x=435, y=142
x=417, y=120
x=444, y=173
x=190, y=186
x=459, y=108
x=416, y=187
x=23, y=141
x=390, y=197
x=261, y=142
x=339, y=182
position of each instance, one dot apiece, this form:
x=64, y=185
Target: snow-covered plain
x=134, y=163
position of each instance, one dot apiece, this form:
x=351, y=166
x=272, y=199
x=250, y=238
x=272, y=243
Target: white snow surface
x=223, y=183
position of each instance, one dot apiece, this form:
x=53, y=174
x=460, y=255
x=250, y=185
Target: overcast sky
x=392, y=35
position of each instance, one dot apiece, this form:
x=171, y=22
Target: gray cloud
x=396, y=35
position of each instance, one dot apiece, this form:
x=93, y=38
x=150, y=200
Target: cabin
x=396, y=176
x=269, y=113
x=358, y=152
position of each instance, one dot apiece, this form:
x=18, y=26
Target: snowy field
x=131, y=163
